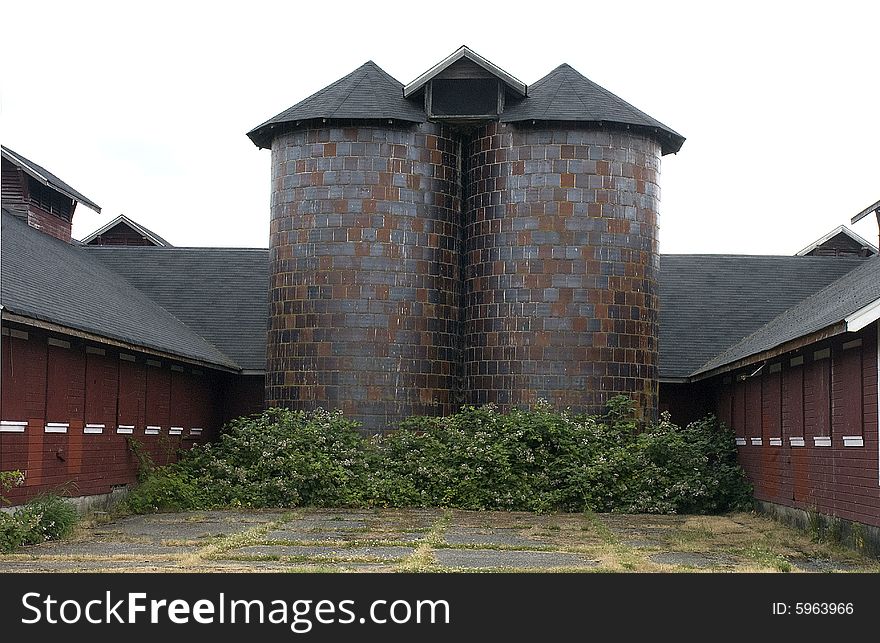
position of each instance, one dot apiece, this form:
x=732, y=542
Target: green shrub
x=168, y=489
x=12, y=533
x=536, y=460
x=47, y=517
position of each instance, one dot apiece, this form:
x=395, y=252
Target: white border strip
x=740, y=442
x=57, y=427
x=152, y=430
x=822, y=440
x=775, y=442
x=853, y=441
x=60, y=343
x=796, y=441
x=195, y=431
x=756, y=442
x=863, y=316
x=12, y=426
x=125, y=429
x=93, y=428
x=175, y=430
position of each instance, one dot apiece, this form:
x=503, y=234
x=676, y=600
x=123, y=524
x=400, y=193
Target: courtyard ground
x=427, y=540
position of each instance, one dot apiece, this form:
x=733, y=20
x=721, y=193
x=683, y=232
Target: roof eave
x=670, y=140
x=22, y=164
x=861, y=215
x=463, y=52
x=44, y=324
x=780, y=349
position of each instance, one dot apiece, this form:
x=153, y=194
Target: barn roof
x=847, y=304
x=45, y=177
x=708, y=303
x=49, y=280
x=368, y=92
x=219, y=293
x=566, y=95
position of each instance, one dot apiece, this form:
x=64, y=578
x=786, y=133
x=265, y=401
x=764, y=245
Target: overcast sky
x=143, y=107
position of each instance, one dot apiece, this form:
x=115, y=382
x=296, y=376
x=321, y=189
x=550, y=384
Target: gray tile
x=322, y=551
x=494, y=558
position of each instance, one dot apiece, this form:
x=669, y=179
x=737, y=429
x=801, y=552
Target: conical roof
x=566, y=95
x=368, y=92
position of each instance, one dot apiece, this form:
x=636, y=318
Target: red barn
x=89, y=360
x=798, y=382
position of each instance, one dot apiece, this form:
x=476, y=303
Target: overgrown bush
x=44, y=518
x=479, y=458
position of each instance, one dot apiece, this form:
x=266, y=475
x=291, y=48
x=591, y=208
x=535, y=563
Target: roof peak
x=466, y=53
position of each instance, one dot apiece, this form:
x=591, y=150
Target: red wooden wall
x=49, y=381
x=791, y=419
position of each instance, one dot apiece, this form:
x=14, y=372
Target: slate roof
x=44, y=176
x=708, y=303
x=219, y=293
x=368, y=92
x=566, y=95
x=562, y=95
x=828, y=307
x=133, y=225
x=47, y=279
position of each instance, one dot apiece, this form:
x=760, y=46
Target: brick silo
x=462, y=239
x=562, y=260
x=363, y=260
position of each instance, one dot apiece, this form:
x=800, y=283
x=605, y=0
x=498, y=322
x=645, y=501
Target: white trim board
x=57, y=427
x=13, y=426
x=796, y=441
x=863, y=316
x=125, y=429
x=822, y=440
x=93, y=429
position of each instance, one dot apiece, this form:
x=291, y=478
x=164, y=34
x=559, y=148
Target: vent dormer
x=465, y=87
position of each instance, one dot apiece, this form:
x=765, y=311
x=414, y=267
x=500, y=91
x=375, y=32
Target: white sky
x=143, y=107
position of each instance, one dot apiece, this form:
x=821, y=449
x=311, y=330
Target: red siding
x=49, y=383
x=832, y=397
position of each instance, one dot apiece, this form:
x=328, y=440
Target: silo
x=562, y=261
x=364, y=281
x=561, y=249
x=464, y=238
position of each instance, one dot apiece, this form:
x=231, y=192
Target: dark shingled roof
x=566, y=95
x=828, y=307
x=368, y=92
x=43, y=175
x=710, y=302
x=220, y=293
x=47, y=279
